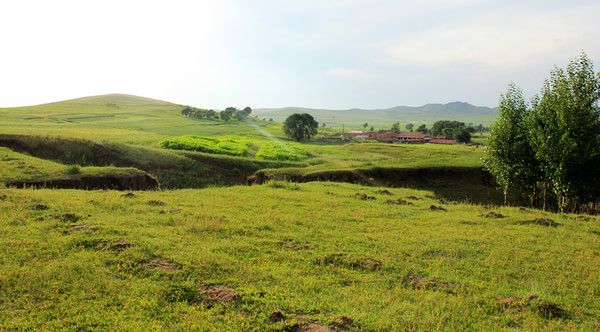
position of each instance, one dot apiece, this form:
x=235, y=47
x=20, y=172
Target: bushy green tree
x=409, y=126
x=565, y=132
x=423, y=129
x=300, y=127
x=396, y=127
x=228, y=113
x=462, y=135
x=445, y=127
x=509, y=156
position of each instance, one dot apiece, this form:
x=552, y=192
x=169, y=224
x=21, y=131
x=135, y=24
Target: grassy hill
x=383, y=118
x=127, y=131
x=289, y=257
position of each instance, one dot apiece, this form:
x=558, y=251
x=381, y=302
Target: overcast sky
x=314, y=53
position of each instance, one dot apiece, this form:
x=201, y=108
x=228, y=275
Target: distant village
x=389, y=136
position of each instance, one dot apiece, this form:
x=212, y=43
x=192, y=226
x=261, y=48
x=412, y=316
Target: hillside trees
x=300, y=126
x=198, y=113
x=510, y=158
x=565, y=132
x=556, y=143
x=409, y=127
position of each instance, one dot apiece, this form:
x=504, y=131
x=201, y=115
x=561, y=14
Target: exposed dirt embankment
x=393, y=177
x=114, y=182
x=460, y=183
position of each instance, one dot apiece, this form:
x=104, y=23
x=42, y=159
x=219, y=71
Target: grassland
x=106, y=260
x=129, y=131
x=20, y=167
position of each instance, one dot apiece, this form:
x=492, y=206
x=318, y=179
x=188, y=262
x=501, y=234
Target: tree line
x=550, y=151
x=225, y=115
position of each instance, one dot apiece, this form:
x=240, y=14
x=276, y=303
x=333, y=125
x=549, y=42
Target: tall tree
x=300, y=126
x=409, y=127
x=565, y=132
x=509, y=156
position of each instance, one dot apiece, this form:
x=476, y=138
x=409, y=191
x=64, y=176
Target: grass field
x=280, y=256
x=228, y=258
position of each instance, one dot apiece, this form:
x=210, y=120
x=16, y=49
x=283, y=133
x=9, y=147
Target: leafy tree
x=247, y=110
x=439, y=127
x=228, y=113
x=396, y=127
x=372, y=129
x=423, y=129
x=509, y=156
x=409, y=127
x=462, y=135
x=300, y=126
x=365, y=125
x=565, y=132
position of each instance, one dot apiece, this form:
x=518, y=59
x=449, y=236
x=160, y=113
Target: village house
x=388, y=136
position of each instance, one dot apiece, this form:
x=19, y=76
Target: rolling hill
x=428, y=114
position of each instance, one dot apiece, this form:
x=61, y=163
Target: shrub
x=281, y=151
x=220, y=145
x=73, y=169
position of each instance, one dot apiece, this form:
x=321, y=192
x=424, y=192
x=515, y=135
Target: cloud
x=347, y=73
x=508, y=38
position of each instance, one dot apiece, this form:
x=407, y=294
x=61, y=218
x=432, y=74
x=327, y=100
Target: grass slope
x=20, y=167
x=151, y=260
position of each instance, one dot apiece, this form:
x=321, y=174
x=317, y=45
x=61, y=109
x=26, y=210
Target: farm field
x=291, y=256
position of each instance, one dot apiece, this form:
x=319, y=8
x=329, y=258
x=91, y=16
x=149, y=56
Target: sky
x=314, y=53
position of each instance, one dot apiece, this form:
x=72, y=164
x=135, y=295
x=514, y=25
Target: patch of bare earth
x=294, y=244
x=493, y=215
x=416, y=281
x=364, y=197
x=161, y=264
x=544, y=309
x=221, y=294
x=437, y=208
x=398, y=201
x=540, y=222
x=80, y=228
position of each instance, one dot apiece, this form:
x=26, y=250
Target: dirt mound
x=341, y=323
x=112, y=182
x=161, y=264
x=80, y=228
x=417, y=281
x=276, y=316
x=493, y=215
x=384, y=192
x=544, y=309
x=398, y=201
x=437, y=208
x=364, y=197
x=540, y=221
x=39, y=207
x=221, y=294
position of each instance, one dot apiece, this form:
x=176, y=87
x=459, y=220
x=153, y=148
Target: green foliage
x=228, y=145
x=228, y=113
x=300, y=127
x=423, y=129
x=198, y=113
x=409, y=126
x=565, y=132
x=462, y=135
x=395, y=127
x=73, y=169
x=281, y=151
x=509, y=155
x=446, y=127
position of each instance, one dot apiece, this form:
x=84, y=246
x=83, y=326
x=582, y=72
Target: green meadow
x=319, y=254
x=416, y=242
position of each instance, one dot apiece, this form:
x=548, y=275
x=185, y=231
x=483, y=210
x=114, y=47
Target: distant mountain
x=385, y=117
